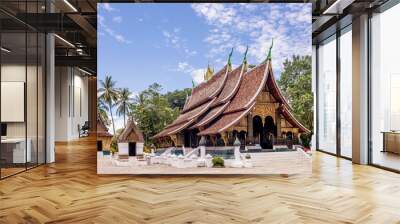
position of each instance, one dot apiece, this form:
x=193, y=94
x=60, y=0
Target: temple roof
x=291, y=119
x=207, y=90
x=210, y=115
x=252, y=84
x=131, y=133
x=221, y=102
x=184, y=120
x=102, y=130
x=226, y=121
x=274, y=89
x=231, y=85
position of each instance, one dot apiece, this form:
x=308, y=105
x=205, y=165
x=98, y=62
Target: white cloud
x=189, y=52
x=238, y=25
x=112, y=33
x=117, y=19
x=173, y=39
x=107, y=7
x=184, y=67
x=215, y=13
x=197, y=74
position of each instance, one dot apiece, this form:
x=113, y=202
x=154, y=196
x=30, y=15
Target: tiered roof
x=102, y=130
x=198, y=103
x=131, y=133
x=222, y=101
x=207, y=90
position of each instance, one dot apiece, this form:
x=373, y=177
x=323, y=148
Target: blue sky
x=139, y=44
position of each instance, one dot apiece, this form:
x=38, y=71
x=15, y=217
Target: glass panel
x=346, y=94
x=385, y=84
x=23, y=90
x=327, y=96
x=13, y=87
x=31, y=98
x=41, y=99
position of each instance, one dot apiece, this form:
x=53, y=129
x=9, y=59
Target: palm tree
x=109, y=93
x=102, y=111
x=124, y=103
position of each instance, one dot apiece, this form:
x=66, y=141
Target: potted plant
x=218, y=162
x=306, y=141
x=113, y=147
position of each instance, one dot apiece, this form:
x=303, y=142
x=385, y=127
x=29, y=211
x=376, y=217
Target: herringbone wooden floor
x=70, y=191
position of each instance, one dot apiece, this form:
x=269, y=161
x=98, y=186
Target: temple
x=243, y=102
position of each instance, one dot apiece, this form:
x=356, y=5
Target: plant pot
x=218, y=167
x=106, y=153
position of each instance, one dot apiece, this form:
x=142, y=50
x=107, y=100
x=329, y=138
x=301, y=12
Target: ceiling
x=330, y=15
x=75, y=22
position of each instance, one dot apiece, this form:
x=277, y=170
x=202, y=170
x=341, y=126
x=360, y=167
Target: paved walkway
x=263, y=163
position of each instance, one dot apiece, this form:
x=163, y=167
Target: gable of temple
x=241, y=100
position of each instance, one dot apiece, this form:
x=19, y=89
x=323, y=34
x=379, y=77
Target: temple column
x=213, y=140
x=250, y=134
x=278, y=124
x=224, y=136
x=174, y=139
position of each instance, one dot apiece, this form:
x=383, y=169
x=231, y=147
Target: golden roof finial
x=209, y=73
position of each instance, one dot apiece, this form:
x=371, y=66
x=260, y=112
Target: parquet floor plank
x=70, y=191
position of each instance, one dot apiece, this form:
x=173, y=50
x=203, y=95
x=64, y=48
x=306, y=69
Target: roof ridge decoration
x=269, y=57
x=230, y=61
x=209, y=73
x=245, y=55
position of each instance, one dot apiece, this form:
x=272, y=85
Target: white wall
x=71, y=102
x=314, y=90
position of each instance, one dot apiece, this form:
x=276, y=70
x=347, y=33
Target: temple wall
x=105, y=141
x=241, y=126
x=164, y=142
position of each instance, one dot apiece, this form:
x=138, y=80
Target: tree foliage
x=108, y=93
x=123, y=103
x=152, y=111
x=102, y=111
x=296, y=83
x=177, y=98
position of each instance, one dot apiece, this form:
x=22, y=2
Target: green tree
x=123, y=103
x=296, y=83
x=152, y=111
x=102, y=111
x=177, y=98
x=109, y=94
